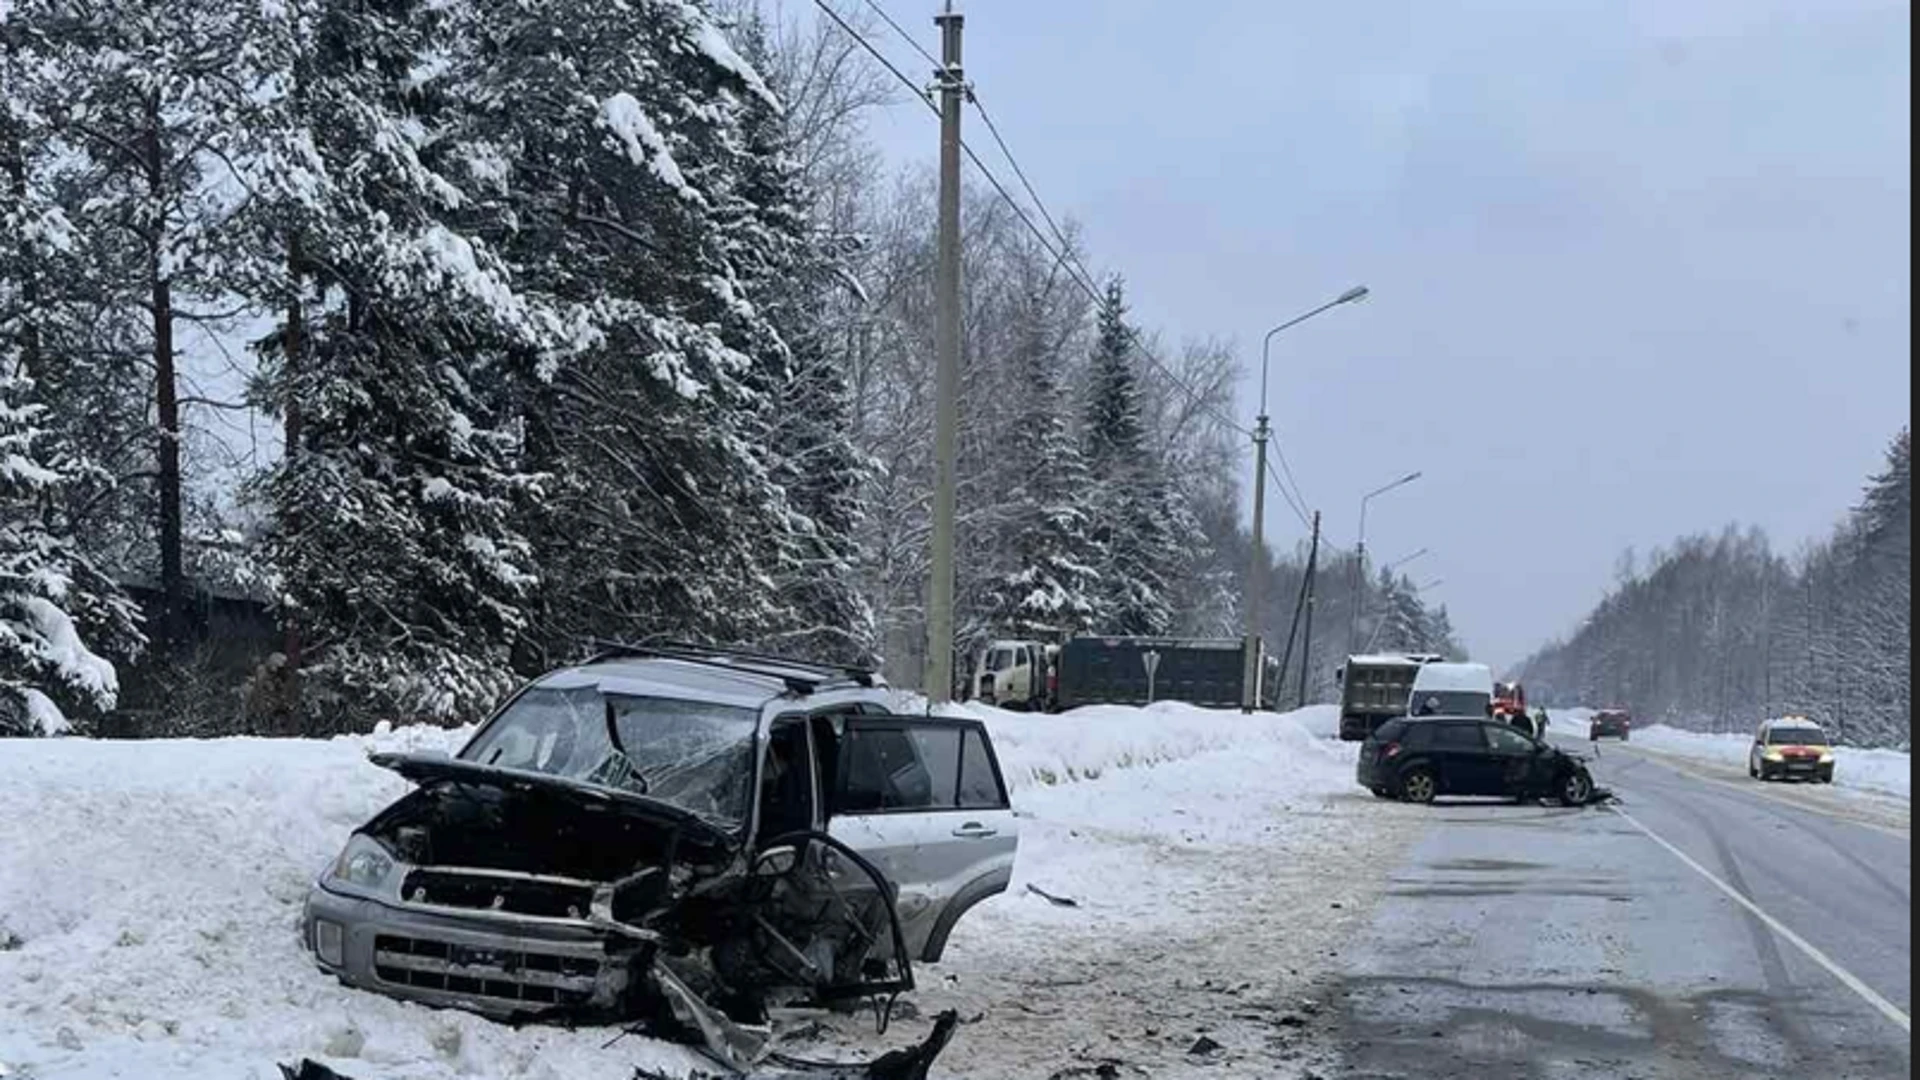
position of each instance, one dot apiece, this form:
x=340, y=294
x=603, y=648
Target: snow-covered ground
x=150, y=896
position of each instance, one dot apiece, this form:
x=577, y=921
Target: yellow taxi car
x=1791, y=747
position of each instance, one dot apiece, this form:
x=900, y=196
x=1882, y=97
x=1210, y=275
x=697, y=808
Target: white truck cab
x=1014, y=675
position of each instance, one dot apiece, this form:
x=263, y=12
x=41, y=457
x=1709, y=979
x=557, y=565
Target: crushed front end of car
x=528, y=897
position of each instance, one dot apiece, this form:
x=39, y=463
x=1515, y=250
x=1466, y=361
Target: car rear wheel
x=1418, y=786
x=1576, y=789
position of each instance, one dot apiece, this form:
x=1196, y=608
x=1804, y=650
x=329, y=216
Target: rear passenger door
x=923, y=798
x=1465, y=766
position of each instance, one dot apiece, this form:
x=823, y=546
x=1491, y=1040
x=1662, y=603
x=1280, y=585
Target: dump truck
x=1141, y=670
x=1374, y=689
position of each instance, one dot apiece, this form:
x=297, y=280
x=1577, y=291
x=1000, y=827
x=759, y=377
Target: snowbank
x=1042, y=750
x=155, y=887
x=1881, y=772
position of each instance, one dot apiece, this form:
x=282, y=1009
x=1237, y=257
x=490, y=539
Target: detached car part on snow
x=678, y=835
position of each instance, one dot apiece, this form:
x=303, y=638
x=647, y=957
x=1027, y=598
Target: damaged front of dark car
x=683, y=837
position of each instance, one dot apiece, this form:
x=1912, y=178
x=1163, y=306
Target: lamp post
x=1360, y=557
x=1397, y=563
x=1256, y=575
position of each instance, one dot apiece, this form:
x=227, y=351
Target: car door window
x=980, y=783
x=882, y=770
x=1459, y=738
x=912, y=765
x=1507, y=742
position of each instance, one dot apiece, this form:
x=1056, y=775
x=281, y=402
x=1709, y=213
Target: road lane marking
x=1668, y=762
x=1847, y=978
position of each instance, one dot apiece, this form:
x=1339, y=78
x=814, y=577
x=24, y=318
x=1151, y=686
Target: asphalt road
x=1542, y=942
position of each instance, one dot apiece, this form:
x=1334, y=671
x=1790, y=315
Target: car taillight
x=1389, y=751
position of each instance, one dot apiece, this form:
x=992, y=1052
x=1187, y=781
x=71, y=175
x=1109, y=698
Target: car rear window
x=1390, y=731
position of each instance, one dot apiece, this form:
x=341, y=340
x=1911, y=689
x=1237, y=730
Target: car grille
x=501, y=974
x=482, y=891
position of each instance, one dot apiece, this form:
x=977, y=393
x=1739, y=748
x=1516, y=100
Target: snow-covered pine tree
x=1402, y=619
x=153, y=107
x=1044, y=488
x=1133, y=536
x=609, y=136
x=794, y=272
x=56, y=607
x=397, y=542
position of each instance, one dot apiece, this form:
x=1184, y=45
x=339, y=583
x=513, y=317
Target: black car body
x=1610, y=724
x=1419, y=758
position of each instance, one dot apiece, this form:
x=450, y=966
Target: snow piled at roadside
x=1042, y=750
x=155, y=887
x=1880, y=772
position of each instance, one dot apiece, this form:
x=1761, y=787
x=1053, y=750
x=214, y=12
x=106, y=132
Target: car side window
x=1418, y=736
x=905, y=766
x=980, y=786
x=1458, y=737
x=883, y=771
x=1506, y=741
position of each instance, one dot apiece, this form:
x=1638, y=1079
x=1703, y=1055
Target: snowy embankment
x=1879, y=772
x=150, y=891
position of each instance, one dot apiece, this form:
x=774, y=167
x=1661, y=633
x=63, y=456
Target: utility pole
x=1313, y=569
x=946, y=339
x=1256, y=578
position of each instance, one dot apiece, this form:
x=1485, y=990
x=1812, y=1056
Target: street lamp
x=1397, y=563
x=1360, y=556
x=1256, y=575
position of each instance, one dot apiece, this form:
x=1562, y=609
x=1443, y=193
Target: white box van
x=1452, y=690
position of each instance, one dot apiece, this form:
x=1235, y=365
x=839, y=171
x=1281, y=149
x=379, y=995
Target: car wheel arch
x=980, y=889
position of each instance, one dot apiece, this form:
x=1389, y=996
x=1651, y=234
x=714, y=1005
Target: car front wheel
x=1576, y=789
x=1418, y=786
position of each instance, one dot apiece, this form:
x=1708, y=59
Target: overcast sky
x=1639, y=269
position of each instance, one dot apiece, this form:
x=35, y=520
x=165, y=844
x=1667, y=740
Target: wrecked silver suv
x=676, y=834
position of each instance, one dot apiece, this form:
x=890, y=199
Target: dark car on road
x=1416, y=759
x=1610, y=724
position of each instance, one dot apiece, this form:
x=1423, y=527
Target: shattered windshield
x=693, y=754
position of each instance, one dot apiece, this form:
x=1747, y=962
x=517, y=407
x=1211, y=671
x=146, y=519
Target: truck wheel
x=1418, y=786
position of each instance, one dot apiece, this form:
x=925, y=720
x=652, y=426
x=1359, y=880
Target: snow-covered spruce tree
x=396, y=537
x=46, y=669
x=56, y=607
x=1133, y=539
x=795, y=272
x=609, y=136
x=1052, y=584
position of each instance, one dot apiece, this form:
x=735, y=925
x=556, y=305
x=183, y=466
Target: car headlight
x=364, y=866
x=1826, y=757
x=1774, y=755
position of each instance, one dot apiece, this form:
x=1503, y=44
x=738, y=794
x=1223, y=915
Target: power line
x=904, y=36
x=1063, y=253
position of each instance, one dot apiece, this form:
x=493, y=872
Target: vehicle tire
x=1419, y=786
x=1751, y=770
x=1576, y=788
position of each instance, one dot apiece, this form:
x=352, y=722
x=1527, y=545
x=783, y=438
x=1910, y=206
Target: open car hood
x=425, y=769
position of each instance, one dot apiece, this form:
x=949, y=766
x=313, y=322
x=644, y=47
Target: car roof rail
x=859, y=673
x=799, y=676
